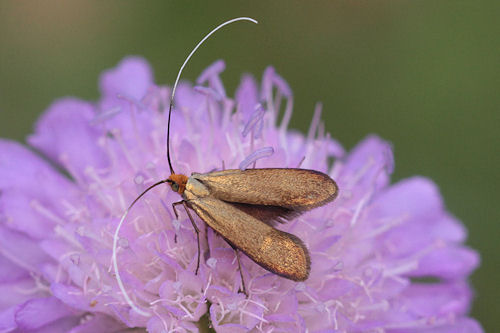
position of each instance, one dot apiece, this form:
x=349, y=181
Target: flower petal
x=10, y=272
x=64, y=126
x=416, y=197
x=367, y=167
x=246, y=97
x=21, y=250
x=98, y=323
x=436, y=299
x=8, y=319
x=460, y=325
x=450, y=263
x=38, y=312
x=413, y=210
x=61, y=325
x=23, y=170
x=211, y=74
x=131, y=77
x=20, y=291
x=178, y=296
x=18, y=209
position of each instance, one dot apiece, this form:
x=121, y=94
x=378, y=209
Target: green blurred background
x=421, y=74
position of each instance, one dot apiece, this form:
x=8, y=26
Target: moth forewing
x=296, y=189
x=277, y=251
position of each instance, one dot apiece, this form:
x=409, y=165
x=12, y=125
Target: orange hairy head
x=178, y=183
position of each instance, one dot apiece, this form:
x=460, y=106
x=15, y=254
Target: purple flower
x=385, y=258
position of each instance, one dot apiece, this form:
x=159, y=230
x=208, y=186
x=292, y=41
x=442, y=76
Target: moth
x=243, y=206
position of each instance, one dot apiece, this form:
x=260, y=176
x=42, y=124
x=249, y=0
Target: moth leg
x=197, y=234
x=176, y=216
x=207, y=253
x=237, y=252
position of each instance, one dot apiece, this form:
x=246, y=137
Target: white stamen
x=211, y=262
x=258, y=304
x=287, y=115
x=256, y=118
x=131, y=100
x=357, y=212
x=75, y=258
x=256, y=155
x=42, y=210
x=105, y=115
x=315, y=122
x=208, y=92
x=176, y=224
x=402, y=268
x=68, y=236
x=248, y=313
x=300, y=286
x=123, y=243
x=118, y=138
x=139, y=179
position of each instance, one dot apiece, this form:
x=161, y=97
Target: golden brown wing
x=277, y=251
x=295, y=189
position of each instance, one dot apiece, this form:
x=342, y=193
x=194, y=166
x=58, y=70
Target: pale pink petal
x=64, y=126
x=38, y=312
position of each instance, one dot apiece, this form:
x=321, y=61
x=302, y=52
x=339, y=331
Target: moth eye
x=175, y=187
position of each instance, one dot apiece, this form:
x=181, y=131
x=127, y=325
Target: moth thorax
x=177, y=183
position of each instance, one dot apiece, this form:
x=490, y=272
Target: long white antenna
x=201, y=42
x=117, y=231
x=180, y=72
x=115, y=243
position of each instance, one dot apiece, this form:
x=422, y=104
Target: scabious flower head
x=385, y=258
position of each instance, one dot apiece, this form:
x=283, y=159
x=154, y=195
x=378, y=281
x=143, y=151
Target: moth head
x=177, y=183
